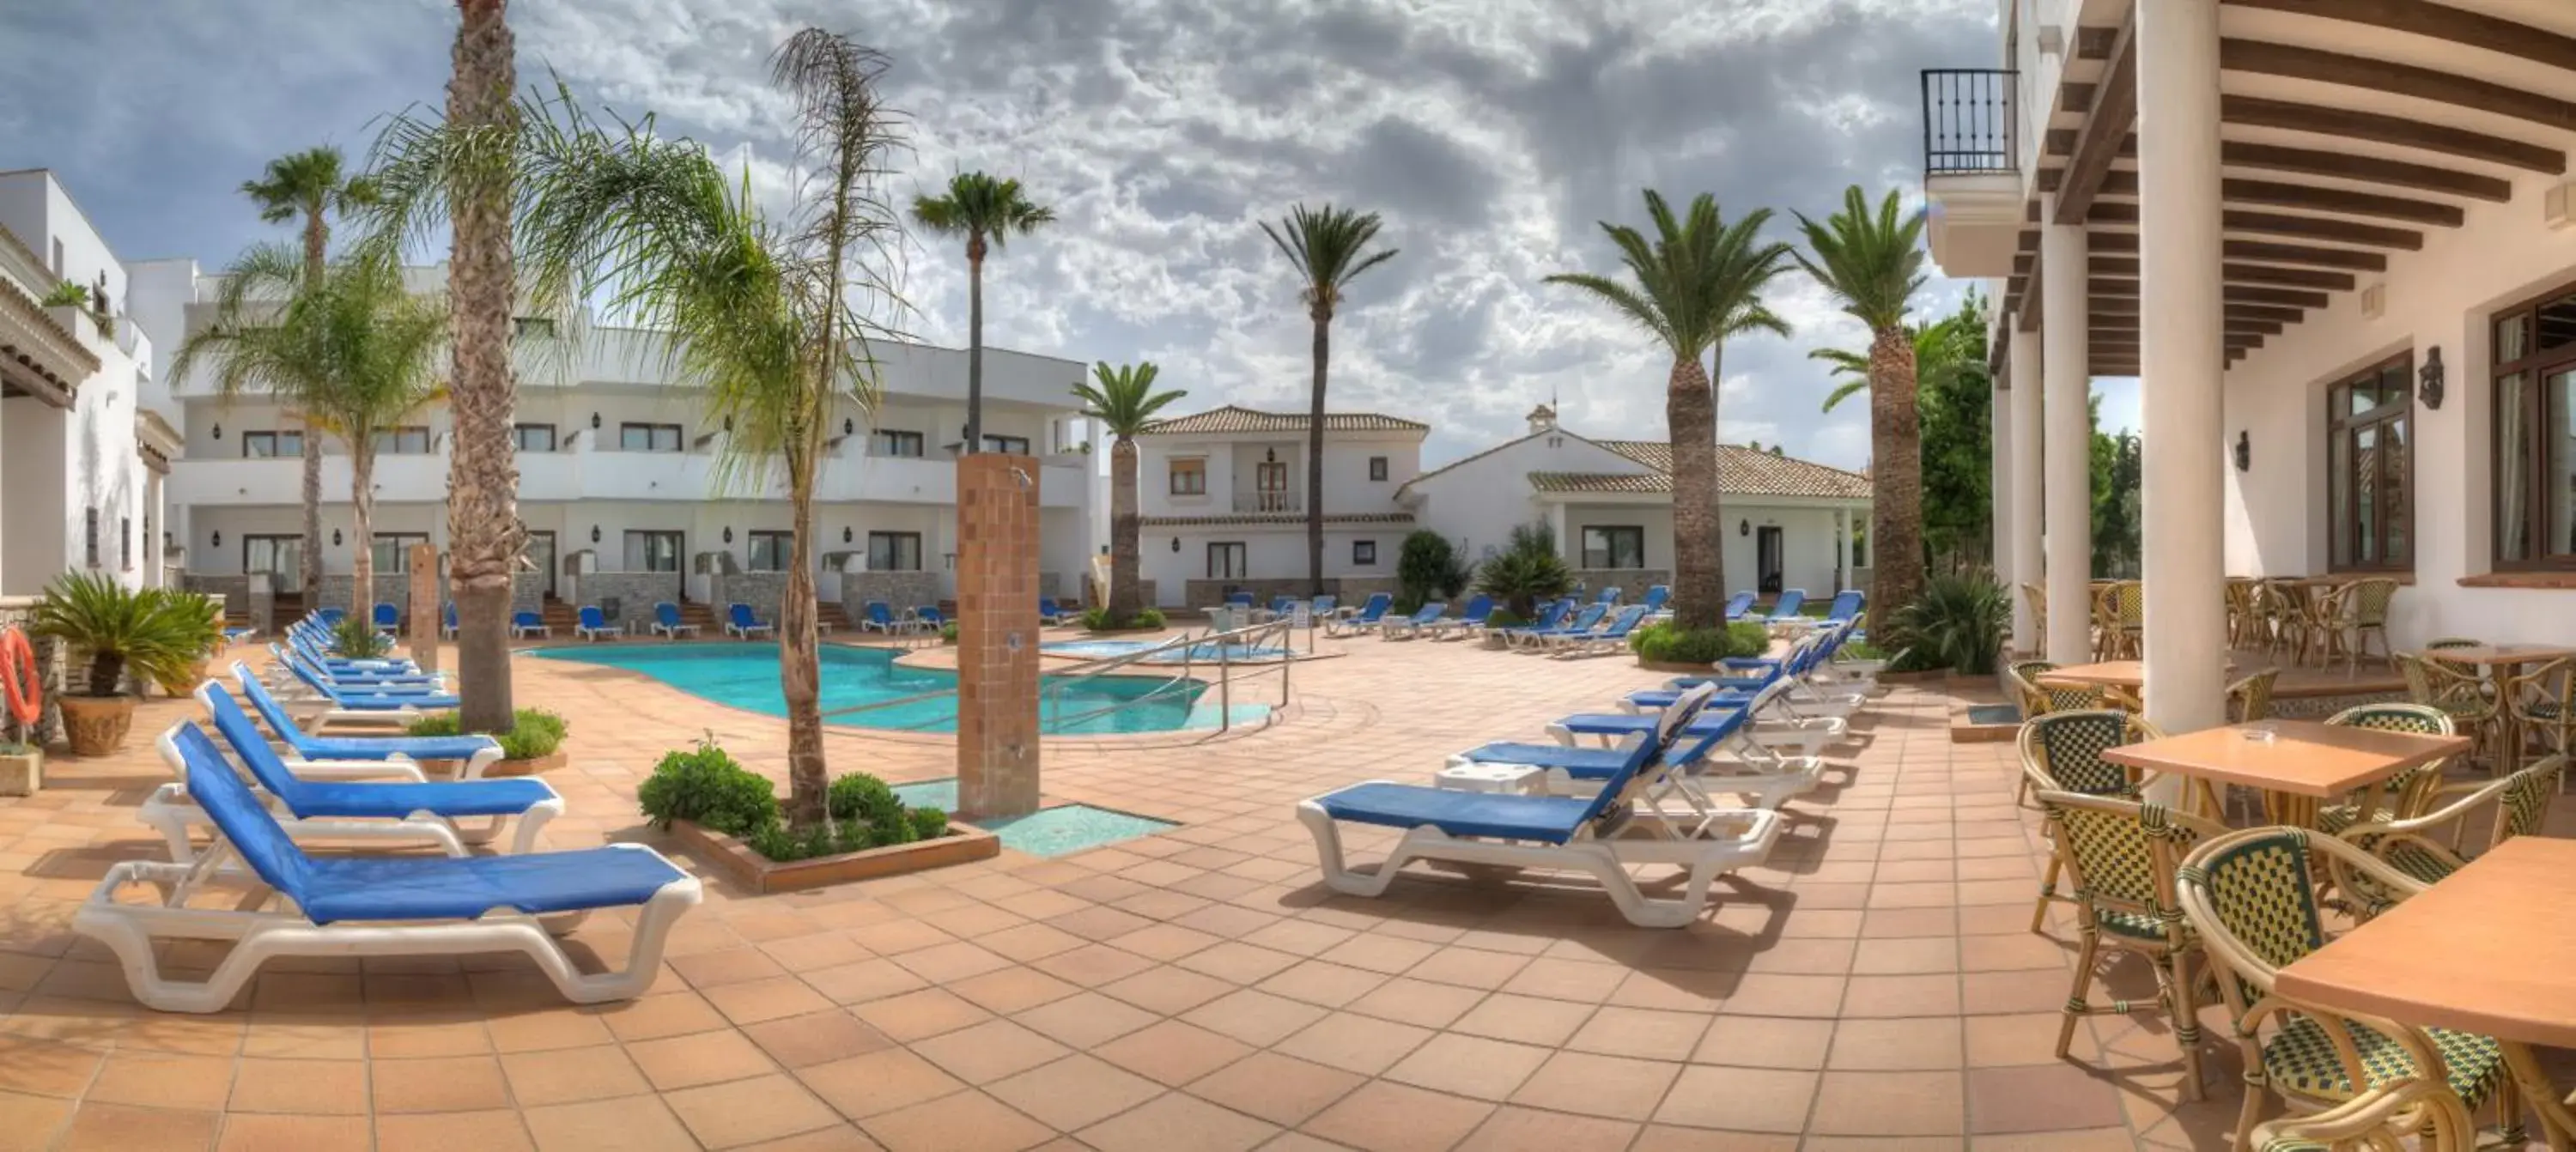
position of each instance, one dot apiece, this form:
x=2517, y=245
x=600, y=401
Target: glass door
x=541, y=552
x=282, y=557
x=1270, y=480
x=1767, y=561
x=656, y=552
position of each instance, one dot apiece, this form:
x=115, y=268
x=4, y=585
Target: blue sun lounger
x=475, y=752
x=1786, y=609
x=666, y=621
x=1370, y=615
x=592, y=624
x=1603, y=835
x=292, y=904
x=364, y=706
x=447, y=626
x=1714, y=757
x=1737, y=605
x=396, y=809
x=388, y=617
x=1466, y=623
x=1533, y=638
x=523, y=624
x=740, y=622
x=1414, y=625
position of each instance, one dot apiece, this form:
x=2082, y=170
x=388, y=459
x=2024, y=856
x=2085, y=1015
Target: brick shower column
x=425, y=614
x=997, y=635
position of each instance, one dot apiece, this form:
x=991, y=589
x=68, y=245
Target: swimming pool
x=746, y=676
x=1058, y=831
x=1111, y=649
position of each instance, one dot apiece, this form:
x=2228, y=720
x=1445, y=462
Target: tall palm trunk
x=800, y=671
x=974, y=345
x=1315, y=455
x=309, y=563
x=1125, y=557
x=1699, y=574
x=483, y=530
x=1896, y=488
x=362, y=532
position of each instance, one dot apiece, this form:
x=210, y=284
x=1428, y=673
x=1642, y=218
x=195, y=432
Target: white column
x=2067, y=432
x=2182, y=358
x=1842, y=550
x=2028, y=383
x=1999, y=477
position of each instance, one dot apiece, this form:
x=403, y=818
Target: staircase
x=831, y=613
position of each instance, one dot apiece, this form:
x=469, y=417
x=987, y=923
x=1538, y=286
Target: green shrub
x=67, y=295
x=1429, y=568
x=927, y=823
x=1958, y=623
x=1526, y=572
x=1097, y=619
x=1662, y=643
x=1504, y=618
x=356, y=639
x=534, y=732
x=859, y=796
x=708, y=786
x=948, y=632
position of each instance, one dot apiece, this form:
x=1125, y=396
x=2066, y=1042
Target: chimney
x=1541, y=419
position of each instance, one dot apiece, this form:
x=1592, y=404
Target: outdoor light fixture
x=594, y=533
x=219, y=431
x=594, y=421
x=1743, y=527
x=335, y=537
x=219, y=537
x=1176, y=543
x=848, y=426
x=2429, y=379
x=728, y=534
x=2244, y=451
x=845, y=533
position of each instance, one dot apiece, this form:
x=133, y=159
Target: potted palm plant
x=114, y=630
x=199, y=619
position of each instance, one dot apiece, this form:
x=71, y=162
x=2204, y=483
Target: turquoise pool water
x=1057, y=831
x=746, y=676
x=1107, y=649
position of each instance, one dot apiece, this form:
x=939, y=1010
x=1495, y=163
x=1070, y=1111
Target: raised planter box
x=497, y=768
x=963, y=843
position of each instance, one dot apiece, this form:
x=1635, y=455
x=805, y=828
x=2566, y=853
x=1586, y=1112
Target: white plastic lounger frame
x=169, y=811
x=1731, y=840
x=272, y=927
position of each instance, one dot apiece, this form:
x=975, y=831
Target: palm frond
x=1329, y=247
x=1871, y=259
x=1123, y=398
x=1698, y=279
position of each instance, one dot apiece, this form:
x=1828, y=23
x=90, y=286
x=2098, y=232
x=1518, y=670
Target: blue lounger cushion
x=1620, y=724
x=1549, y=756
x=395, y=800
x=335, y=888
x=416, y=747
x=371, y=701
x=1554, y=819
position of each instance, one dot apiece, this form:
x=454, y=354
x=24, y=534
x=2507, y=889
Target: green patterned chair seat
x=2411, y=858
x=2136, y=925
x=2301, y=1057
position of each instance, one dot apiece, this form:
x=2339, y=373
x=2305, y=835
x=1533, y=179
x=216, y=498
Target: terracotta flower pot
x=96, y=725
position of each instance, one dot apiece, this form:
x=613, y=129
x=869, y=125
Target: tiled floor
x=1874, y=985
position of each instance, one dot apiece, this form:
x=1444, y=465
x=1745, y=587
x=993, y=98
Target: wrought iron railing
x=1969, y=121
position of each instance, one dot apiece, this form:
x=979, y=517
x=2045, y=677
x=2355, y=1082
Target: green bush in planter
x=1958, y=623
x=1097, y=619
x=710, y=787
x=1663, y=643
x=357, y=639
x=534, y=733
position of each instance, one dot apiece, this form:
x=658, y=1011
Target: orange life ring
x=20, y=682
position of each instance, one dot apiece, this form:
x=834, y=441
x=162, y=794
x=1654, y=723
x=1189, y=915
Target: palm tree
x=462, y=170
x=758, y=315
x=1942, y=352
x=357, y=351
x=1124, y=401
x=1698, y=283
x=1873, y=262
x=1329, y=247
x=310, y=184
x=985, y=211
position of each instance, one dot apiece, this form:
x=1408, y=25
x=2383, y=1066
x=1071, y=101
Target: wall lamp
x=1743, y=527
x=335, y=537
x=594, y=421
x=1176, y=543
x=845, y=533
x=219, y=537
x=2244, y=450
x=728, y=534
x=594, y=533
x=219, y=431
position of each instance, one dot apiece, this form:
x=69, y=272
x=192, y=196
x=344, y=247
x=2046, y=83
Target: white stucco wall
x=2277, y=511
x=1477, y=502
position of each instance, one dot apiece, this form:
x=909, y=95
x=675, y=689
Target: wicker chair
x=2244, y=614
x=2458, y=691
x=2407, y=793
x=2378, y=1121
x=2121, y=855
x=2119, y=620
x=2285, y=610
x=2542, y=700
x=2356, y=612
x=2250, y=897
x=2407, y=845
x=2250, y=699
x=2062, y=752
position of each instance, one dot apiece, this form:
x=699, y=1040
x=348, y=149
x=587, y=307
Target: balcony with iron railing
x=1267, y=500
x=1972, y=176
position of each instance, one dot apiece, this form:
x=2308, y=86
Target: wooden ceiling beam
x=2280, y=224
x=2129, y=322
x=2127, y=266
x=2396, y=131
x=2373, y=169
x=2128, y=306
x=2027, y=302
x=2123, y=185
x=2112, y=111
x=2298, y=62
x=2260, y=251
x=2439, y=22
x=2096, y=41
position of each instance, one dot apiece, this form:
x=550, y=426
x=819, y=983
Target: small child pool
x=746, y=676
x=1110, y=649
x=1058, y=831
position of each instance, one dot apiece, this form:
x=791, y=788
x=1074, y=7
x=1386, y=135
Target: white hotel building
x=618, y=476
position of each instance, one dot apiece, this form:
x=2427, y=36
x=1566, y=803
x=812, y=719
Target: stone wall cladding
x=234, y=589
x=899, y=590
x=391, y=588
x=628, y=597
x=764, y=591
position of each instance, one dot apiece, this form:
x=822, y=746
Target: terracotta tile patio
x=1873, y=985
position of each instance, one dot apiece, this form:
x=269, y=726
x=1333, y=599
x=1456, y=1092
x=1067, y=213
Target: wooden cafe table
x=2485, y=951
x=2305, y=763
x=2501, y=663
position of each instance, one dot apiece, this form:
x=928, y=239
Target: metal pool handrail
x=1224, y=641
x=1089, y=670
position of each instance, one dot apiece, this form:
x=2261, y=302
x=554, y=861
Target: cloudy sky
x=1491, y=134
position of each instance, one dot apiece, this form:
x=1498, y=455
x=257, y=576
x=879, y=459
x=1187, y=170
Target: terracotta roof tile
x=1225, y=519
x=1743, y=471
x=1231, y=419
